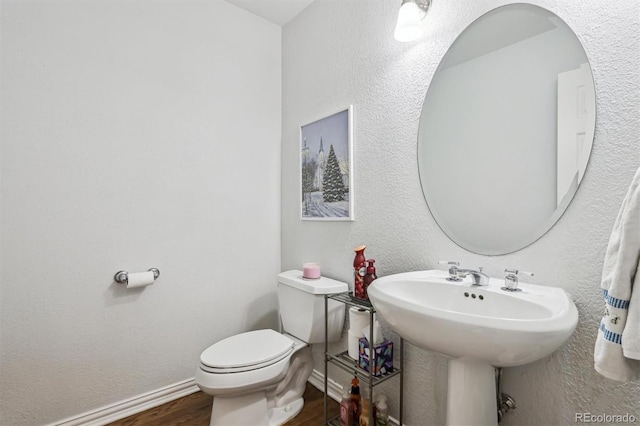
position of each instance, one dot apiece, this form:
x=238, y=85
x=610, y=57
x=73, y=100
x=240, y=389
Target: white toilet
x=258, y=377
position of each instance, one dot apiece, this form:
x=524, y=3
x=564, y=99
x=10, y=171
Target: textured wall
x=343, y=52
x=135, y=134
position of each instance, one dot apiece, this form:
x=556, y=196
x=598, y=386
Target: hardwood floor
x=195, y=410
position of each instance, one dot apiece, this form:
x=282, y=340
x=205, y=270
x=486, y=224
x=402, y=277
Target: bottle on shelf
x=364, y=412
x=369, y=276
x=346, y=412
x=359, y=271
x=355, y=397
x=382, y=413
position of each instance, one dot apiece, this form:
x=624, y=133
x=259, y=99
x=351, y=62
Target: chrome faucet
x=453, y=270
x=456, y=273
x=479, y=277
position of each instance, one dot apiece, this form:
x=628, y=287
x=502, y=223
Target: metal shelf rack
x=345, y=362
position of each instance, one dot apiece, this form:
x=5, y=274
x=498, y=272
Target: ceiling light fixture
x=411, y=13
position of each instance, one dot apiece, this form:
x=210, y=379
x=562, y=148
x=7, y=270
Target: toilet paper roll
x=358, y=319
x=139, y=279
x=377, y=333
x=353, y=342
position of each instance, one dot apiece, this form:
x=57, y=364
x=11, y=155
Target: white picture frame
x=326, y=168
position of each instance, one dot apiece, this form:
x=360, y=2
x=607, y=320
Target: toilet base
x=280, y=415
x=242, y=410
x=250, y=409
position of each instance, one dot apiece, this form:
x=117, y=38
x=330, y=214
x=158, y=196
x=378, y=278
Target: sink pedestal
x=471, y=396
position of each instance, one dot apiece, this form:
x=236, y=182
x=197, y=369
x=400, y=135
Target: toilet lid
x=246, y=351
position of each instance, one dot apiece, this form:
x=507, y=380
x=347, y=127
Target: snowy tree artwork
x=325, y=168
x=332, y=184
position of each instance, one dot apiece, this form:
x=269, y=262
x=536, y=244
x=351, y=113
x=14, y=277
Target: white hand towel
x=617, y=348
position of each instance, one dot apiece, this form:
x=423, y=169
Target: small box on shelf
x=382, y=357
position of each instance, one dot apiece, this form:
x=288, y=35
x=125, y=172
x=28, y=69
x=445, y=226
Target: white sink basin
x=500, y=327
x=478, y=327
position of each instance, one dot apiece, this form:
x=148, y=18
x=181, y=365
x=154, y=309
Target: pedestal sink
x=478, y=327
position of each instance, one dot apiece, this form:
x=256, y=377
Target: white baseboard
x=131, y=406
x=146, y=401
x=334, y=390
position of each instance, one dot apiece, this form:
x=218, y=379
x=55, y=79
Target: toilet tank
x=301, y=303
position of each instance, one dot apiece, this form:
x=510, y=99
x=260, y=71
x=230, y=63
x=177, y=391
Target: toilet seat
x=247, y=351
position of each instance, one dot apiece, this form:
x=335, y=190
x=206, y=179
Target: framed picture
x=326, y=167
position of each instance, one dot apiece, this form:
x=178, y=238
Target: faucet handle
x=511, y=279
x=516, y=272
x=453, y=269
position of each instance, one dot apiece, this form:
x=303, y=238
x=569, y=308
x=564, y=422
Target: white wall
x=135, y=134
x=337, y=53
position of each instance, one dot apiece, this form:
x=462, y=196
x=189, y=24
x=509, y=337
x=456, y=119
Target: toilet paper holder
x=122, y=277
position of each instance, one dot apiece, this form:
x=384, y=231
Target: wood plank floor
x=195, y=410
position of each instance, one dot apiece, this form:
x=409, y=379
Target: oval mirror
x=506, y=129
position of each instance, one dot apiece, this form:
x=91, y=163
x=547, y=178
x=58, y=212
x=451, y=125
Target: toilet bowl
x=258, y=377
